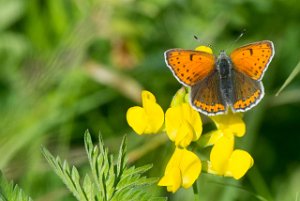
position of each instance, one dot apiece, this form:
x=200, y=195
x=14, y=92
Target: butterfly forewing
x=247, y=92
x=253, y=59
x=189, y=66
x=206, y=96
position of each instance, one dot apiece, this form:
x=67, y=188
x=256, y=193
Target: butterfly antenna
x=197, y=39
x=237, y=39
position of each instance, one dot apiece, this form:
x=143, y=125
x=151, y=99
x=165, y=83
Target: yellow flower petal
x=225, y=161
x=204, y=49
x=147, y=119
x=173, y=121
x=136, y=119
x=230, y=123
x=220, y=154
x=190, y=168
x=193, y=117
x=155, y=116
x=185, y=135
x=183, y=169
x=239, y=163
x=183, y=124
x=172, y=180
x=147, y=96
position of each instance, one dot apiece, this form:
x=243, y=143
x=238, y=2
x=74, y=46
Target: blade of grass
x=290, y=78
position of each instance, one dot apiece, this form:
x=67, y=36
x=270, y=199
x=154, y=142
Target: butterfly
x=219, y=83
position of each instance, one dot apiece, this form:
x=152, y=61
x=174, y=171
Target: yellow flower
x=228, y=125
x=183, y=124
x=147, y=119
x=204, y=49
x=228, y=162
x=183, y=169
x=231, y=123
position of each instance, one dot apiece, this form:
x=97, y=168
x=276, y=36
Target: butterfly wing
x=206, y=95
x=247, y=92
x=189, y=66
x=253, y=59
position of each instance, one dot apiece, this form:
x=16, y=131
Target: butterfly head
x=222, y=53
x=223, y=56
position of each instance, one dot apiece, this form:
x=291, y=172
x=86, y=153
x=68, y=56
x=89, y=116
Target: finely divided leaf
x=109, y=181
x=70, y=178
x=11, y=192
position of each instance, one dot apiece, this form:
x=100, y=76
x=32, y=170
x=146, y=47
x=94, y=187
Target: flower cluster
x=183, y=125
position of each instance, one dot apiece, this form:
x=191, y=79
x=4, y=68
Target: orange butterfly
x=226, y=81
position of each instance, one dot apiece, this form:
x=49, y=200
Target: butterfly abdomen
x=224, y=67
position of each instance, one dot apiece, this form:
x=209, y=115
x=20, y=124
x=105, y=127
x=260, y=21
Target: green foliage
x=109, y=181
x=11, y=192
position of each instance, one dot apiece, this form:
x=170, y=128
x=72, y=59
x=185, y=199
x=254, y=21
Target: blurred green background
x=71, y=65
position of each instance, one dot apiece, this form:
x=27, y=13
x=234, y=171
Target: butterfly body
x=224, y=82
x=224, y=68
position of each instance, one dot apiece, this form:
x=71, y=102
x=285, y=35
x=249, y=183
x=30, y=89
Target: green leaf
x=70, y=178
x=109, y=181
x=293, y=74
x=122, y=159
x=88, y=188
x=11, y=192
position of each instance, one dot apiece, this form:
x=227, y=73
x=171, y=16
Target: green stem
x=196, y=192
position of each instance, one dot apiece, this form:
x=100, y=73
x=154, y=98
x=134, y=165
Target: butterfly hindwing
x=247, y=92
x=253, y=59
x=206, y=96
x=189, y=66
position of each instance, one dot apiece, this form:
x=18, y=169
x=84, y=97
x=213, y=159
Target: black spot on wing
x=191, y=57
x=251, y=51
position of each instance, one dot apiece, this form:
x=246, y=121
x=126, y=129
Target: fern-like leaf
x=109, y=181
x=70, y=177
x=11, y=192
